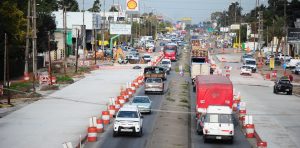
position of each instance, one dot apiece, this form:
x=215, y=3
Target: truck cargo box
x=213, y=90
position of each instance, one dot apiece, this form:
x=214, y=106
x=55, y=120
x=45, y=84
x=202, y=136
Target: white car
x=282, y=56
x=128, y=120
x=166, y=62
x=147, y=57
x=246, y=70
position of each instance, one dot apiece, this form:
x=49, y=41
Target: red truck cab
x=213, y=90
x=170, y=52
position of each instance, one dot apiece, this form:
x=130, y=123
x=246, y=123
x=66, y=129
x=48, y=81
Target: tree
x=96, y=7
x=113, y=9
x=70, y=5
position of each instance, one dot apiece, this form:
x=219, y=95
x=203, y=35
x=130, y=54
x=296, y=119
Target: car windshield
x=246, y=67
x=140, y=100
x=127, y=114
x=165, y=62
x=250, y=62
x=153, y=80
x=218, y=118
x=146, y=56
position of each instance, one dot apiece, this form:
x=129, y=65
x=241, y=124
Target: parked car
x=143, y=103
x=162, y=44
x=283, y=85
x=293, y=63
x=154, y=85
x=246, y=70
x=296, y=70
x=128, y=120
x=282, y=56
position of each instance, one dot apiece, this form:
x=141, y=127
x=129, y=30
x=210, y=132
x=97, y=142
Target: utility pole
x=34, y=47
x=286, y=31
x=49, y=56
x=260, y=29
x=64, y=39
x=83, y=31
x=5, y=60
x=26, y=69
x=77, y=37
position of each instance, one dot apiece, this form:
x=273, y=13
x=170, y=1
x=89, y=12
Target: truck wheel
x=199, y=132
x=205, y=139
x=146, y=92
x=231, y=140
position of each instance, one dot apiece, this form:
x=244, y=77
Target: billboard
x=294, y=34
x=235, y=27
x=122, y=29
x=132, y=6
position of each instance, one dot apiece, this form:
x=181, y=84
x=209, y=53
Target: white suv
x=128, y=120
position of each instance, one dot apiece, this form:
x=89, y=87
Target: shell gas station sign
x=132, y=6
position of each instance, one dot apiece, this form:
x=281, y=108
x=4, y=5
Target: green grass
x=84, y=69
x=170, y=99
x=183, y=100
x=64, y=79
x=20, y=85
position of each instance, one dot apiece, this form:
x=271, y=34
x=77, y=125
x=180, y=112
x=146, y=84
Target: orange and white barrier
x=105, y=117
x=112, y=110
x=117, y=105
x=242, y=114
x=92, y=134
x=100, y=126
x=249, y=130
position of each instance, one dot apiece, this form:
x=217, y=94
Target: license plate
x=218, y=137
x=126, y=130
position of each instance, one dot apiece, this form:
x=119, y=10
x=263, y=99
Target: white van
x=218, y=123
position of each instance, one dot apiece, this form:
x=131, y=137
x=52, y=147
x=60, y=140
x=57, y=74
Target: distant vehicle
x=218, y=123
x=154, y=85
x=155, y=72
x=137, y=67
x=246, y=70
x=283, y=85
x=143, y=103
x=282, y=56
x=162, y=44
x=128, y=119
x=167, y=68
x=166, y=62
x=292, y=63
x=170, y=52
x=245, y=56
x=147, y=57
x=277, y=61
x=250, y=62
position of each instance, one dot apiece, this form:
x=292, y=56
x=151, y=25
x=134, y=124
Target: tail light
x=230, y=132
x=206, y=131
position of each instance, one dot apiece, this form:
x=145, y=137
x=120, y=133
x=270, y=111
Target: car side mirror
x=142, y=116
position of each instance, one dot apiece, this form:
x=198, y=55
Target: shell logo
x=132, y=4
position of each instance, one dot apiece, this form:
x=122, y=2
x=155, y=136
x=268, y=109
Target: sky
x=198, y=10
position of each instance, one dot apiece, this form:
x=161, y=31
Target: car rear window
x=165, y=62
x=153, y=80
x=127, y=114
x=140, y=100
x=218, y=118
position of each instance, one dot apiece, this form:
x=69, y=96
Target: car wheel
x=146, y=92
x=274, y=91
x=140, y=134
x=296, y=72
x=115, y=134
x=290, y=92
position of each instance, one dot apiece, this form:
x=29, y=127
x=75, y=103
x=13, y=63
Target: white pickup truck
x=218, y=123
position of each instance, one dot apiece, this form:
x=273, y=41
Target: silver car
x=154, y=85
x=143, y=103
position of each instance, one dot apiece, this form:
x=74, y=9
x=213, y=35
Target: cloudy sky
x=198, y=10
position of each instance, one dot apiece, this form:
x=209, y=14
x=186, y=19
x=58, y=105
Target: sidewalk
x=63, y=115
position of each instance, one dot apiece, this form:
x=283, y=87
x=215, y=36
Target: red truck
x=170, y=52
x=213, y=90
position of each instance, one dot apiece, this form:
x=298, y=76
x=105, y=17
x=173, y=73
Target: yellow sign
x=131, y=4
x=272, y=63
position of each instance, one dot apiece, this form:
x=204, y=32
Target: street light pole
x=49, y=56
x=34, y=47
